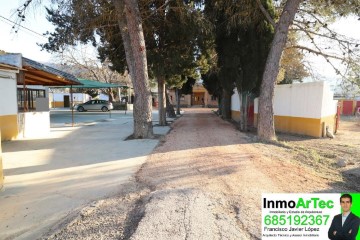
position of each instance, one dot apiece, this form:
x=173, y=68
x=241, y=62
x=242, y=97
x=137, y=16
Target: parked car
x=94, y=105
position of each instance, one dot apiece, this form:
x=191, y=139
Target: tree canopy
x=183, y=35
x=242, y=36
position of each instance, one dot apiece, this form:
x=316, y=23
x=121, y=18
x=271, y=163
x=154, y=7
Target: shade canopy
x=35, y=73
x=39, y=74
x=87, y=83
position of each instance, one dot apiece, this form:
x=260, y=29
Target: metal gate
x=347, y=108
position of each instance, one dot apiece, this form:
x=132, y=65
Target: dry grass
x=322, y=155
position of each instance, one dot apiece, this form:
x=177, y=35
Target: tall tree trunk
x=177, y=91
x=244, y=104
x=120, y=8
x=132, y=34
x=266, y=129
x=110, y=94
x=220, y=104
x=162, y=100
x=226, y=105
x=240, y=109
x=170, y=112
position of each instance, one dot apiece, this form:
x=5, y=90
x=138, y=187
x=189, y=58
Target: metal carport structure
x=90, y=84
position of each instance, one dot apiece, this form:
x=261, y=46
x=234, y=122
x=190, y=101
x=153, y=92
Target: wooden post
x=21, y=80
x=72, y=106
x=1, y=167
x=337, y=118
x=25, y=97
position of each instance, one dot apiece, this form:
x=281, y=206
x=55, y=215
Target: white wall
x=309, y=100
x=42, y=104
x=328, y=106
x=8, y=93
x=103, y=97
x=299, y=100
x=235, y=101
x=256, y=105
x=78, y=97
x=34, y=124
x=59, y=97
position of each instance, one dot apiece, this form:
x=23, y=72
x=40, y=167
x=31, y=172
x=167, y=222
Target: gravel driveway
x=204, y=181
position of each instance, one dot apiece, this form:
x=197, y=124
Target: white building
x=301, y=108
x=24, y=98
x=62, y=100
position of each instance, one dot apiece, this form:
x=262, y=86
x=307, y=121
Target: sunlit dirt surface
x=205, y=180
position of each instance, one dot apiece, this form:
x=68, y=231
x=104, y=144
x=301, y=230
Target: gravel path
x=203, y=182
x=207, y=181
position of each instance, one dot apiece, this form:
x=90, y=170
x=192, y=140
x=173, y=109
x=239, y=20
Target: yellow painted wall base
x=235, y=115
x=314, y=127
x=57, y=104
x=298, y=125
x=61, y=104
x=328, y=121
x=9, y=127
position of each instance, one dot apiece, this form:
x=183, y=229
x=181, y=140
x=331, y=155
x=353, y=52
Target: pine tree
x=78, y=22
x=242, y=38
x=311, y=18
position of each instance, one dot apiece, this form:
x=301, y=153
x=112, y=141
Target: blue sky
x=24, y=41
x=346, y=26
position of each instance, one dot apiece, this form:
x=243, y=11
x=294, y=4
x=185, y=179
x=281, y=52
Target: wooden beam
x=39, y=79
x=43, y=76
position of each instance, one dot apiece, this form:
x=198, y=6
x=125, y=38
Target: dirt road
x=207, y=181
x=203, y=182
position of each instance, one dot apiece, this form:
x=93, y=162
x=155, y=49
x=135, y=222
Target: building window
x=213, y=98
x=30, y=95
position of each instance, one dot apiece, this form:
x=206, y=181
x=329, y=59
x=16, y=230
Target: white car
x=94, y=105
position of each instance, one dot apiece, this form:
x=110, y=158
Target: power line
x=23, y=27
x=8, y=21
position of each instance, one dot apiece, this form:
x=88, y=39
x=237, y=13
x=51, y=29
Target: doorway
x=66, y=101
x=198, y=98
